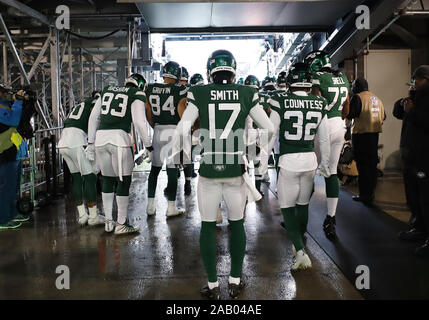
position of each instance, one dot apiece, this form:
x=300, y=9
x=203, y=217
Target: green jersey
x=300, y=116
x=334, y=88
x=116, y=107
x=164, y=99
x=223, y=110
x=79, y=116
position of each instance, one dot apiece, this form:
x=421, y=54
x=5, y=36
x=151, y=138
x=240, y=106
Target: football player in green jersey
x=184, y=77
x=334, y=87
x=197, y=79
x=282, y=81
x=162, y=104
x=268, y=85
x=71, y=146
x=222, y=107
x=298, y=115
x=255, y=153
x=109, y=137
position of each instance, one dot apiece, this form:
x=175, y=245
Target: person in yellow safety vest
x=10, y=141
x=367, y=112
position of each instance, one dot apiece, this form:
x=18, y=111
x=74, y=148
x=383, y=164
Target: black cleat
x=212, y=294
x=329, y=228
x=235, y=290
x=188, y=188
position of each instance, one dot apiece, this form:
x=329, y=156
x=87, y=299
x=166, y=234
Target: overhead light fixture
x=333, y=34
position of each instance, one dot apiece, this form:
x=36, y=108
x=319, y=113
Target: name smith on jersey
x=224, y=95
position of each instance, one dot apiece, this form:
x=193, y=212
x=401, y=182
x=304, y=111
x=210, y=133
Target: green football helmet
x=298, y=76
x=252, y=81
x=137, y=80
x=282, y=79
x=317, y=60
x=185, y=75
x=197, y=79
x=172, y=70
x=240, y=81
x=221, y=60
x=268, y=81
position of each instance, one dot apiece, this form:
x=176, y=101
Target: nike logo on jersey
x=338, y=81
x=224, y=95
x=303, y=104
x=158, y=90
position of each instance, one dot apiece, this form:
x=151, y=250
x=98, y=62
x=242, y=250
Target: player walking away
x=281, y=82
x=162, y=110
x=298, y=116
x=184, y=77
x=269, y=88
x=222, y=107
x=334, y=87
x=72, y=145
x=109, y=137
x=256, y=154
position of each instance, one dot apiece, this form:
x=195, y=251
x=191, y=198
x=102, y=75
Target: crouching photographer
x=12, y=148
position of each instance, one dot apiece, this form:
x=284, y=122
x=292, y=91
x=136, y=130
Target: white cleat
x=125, y=229
x=109, y=225
x=83, y=220
x=96, y=221
x=219, y=219
x=150, y=210
x=301, y=262
x=173, y=211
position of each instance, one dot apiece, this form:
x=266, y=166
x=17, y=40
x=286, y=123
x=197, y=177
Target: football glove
x=324, y=170
x=90, y=152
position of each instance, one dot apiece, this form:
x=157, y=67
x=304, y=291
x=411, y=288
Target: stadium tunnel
x=107, y=40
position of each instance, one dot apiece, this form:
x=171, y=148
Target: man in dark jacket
x=415, y=149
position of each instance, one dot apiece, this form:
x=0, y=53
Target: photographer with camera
x=10, y=143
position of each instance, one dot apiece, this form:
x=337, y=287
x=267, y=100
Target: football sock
x=77, y=186
x=332, y=186
x=292, y=227
x=172, y=183
x=233, y=280
x=213, y=285
x=108, y=204
x=108, y=185
x=258, y=184
x=332, y=206
x=123, y=188
x=90, y=187
x=237, y=247
x=122, y=203
x=152, y=181
x=81, y=210
x=92, y=212
x=302, y=214
x=208, y=249
x=188, y=170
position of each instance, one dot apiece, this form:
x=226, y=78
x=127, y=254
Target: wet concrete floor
x=163, y=261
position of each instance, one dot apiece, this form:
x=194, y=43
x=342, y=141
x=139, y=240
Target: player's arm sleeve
x=323, y=138
x=11, y=117
x=139, y=121
x=258, y=114
x=94, y=121
x=149, y=114
x=275, y=120
x=183, y=129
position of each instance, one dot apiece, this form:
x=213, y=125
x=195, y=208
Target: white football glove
x=324, y=170
x=90, y=152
